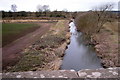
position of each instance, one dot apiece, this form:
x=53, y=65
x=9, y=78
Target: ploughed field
x=13, y=31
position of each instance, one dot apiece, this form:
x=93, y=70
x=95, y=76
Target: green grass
x=30, y=61
x=13, y=31
x=13, y=28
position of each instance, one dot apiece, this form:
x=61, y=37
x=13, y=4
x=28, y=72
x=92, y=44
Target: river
x=79, y=56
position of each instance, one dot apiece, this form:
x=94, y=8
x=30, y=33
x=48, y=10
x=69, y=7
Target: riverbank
x=46, y=53
x=106, y=44
x=103, y=38
x=11, y=52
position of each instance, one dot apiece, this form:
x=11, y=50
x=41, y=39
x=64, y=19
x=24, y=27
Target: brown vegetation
x=107, y=44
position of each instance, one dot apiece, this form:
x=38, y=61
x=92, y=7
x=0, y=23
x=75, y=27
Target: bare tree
x=14, y=7
x=40, y=8
x=46, y=8
x=43, y=8
x=101, y=13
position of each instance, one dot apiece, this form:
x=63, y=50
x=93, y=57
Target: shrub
x=86, y=23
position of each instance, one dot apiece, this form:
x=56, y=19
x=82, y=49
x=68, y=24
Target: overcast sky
x=70, y=5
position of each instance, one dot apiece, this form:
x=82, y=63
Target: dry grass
x=105, y=41
x=113, y=29
x=43, y=51
x=113, y=26
x=107, y=47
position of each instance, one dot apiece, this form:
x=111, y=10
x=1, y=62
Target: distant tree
x=3, y=14
x=23, y=14
x=74, y=14
x=14, y=7
x=46, y=8
x=38, y=14
x=10, y=14
x=39, y=8
x=42, y=10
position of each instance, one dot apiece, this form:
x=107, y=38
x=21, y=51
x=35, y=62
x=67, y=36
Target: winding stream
x=79, y=56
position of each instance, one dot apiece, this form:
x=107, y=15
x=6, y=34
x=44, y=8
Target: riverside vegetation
x=102, y=34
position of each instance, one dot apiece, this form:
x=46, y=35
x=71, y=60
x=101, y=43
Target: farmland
x=44, y=50
x=13, y=31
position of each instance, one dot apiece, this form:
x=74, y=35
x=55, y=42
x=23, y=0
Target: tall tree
x=46, y=8
x=14, y=7
x=39, y=8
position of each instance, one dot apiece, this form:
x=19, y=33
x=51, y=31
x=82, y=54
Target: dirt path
x=11, y=51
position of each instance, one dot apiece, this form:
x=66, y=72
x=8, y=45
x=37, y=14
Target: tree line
x=35, y=14
x=42, y=11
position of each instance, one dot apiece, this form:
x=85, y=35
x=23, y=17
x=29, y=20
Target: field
x=13, y=31
x=45, y=53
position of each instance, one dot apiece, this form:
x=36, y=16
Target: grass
x=13, y=31
x=43, y=51
x=14, y=28
x=113, y=26
x=113, y=29
x=29, y=61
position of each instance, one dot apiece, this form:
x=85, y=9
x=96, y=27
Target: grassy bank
x=107, y=47
x=103, y=37
x=13, y=31
x=45, y=53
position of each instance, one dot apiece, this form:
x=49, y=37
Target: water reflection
x=78, y=56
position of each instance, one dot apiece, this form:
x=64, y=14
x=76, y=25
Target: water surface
x=78, y=55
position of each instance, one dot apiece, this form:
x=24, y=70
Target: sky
x=70, y=5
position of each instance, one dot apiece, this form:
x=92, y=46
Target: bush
x=86, y=23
